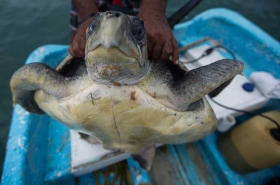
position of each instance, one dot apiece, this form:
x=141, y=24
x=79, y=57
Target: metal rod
x=193, y=44
x=182, y=12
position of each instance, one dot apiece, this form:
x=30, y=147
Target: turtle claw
x=90, y=139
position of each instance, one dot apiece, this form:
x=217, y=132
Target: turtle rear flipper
x=145, y=157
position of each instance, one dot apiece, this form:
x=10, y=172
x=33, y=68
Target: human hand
x=77, y=47
x=161, y=42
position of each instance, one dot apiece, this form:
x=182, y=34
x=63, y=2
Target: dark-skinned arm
x=161, y=42
x=83, y=8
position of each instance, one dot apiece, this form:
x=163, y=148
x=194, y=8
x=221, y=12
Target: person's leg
x=131, y=7
x=75, y=22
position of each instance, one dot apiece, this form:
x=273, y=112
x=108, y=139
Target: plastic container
x=250, y=146
x=226, y=123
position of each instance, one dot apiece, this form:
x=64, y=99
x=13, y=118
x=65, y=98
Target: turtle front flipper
x=201, y=81
x=36, y=76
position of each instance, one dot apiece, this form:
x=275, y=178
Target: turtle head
x=116, y=49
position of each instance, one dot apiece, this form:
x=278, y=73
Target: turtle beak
x=111, y=55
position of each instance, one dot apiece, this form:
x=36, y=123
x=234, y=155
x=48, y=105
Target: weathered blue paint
x=59, y=152
x=22, y=149
x=138, y=175
x=178, y=168
x=38, y=150
x=194, y=165
x=87, y=179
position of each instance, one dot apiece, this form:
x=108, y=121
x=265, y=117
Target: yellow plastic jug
x=251, y=146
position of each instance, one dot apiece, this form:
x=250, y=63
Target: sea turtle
x=120, y=96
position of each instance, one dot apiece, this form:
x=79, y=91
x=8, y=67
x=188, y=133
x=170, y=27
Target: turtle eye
x=137, y=30
x=94, y=22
